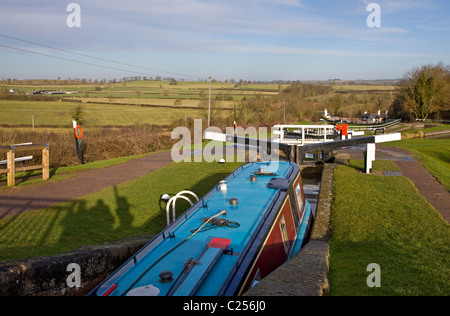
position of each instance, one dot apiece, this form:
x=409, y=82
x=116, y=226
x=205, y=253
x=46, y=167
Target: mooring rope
x=164, y=255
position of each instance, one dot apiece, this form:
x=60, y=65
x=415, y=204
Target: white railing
x=304, y=134
x=373, y=127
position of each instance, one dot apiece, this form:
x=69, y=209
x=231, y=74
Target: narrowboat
x=229, y=240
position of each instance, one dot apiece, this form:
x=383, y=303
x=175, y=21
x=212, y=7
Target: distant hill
x=377, y=82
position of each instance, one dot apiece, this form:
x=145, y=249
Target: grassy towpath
x=384, y=220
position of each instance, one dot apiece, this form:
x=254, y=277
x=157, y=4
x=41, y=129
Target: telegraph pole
x=209, y=103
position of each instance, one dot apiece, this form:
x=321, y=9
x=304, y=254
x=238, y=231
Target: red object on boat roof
x=220, y=243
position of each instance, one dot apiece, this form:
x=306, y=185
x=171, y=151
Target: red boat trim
x=111, y=289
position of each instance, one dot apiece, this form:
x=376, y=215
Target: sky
x=226, y=39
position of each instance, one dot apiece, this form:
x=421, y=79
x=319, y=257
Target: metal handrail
x=173, y=201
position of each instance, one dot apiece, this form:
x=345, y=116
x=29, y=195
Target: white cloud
x=142, y=20
x=433, y=28
x=291, y=3
x=390, y=6
x=291, y=50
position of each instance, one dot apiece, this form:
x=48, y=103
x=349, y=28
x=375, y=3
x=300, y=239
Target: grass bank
x=130, y=209
x=383, y=220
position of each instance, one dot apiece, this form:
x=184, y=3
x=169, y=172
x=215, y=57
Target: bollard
x=369, y=157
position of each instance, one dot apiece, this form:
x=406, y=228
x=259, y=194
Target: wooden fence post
x=11, y=166
x=11, y=169
x=45, y=163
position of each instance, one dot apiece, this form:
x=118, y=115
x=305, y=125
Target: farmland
x=119, y=119
x=57, y=114
x=135, y=117
x=140, y=102
x=162, y=102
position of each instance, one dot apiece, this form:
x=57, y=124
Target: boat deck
x=254, y=200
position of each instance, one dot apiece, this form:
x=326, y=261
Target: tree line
x=423, y=92
x=291, y=105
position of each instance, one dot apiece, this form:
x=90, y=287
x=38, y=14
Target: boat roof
x=172, y=249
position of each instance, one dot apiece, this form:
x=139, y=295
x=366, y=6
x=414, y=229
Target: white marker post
x=371, y=148
x=370, y=157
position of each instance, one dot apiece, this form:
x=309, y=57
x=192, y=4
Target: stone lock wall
x=47, y=276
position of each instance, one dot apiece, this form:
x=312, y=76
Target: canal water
x=311, y=177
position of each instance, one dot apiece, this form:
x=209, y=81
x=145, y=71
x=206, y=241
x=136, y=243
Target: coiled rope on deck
x=168, y=252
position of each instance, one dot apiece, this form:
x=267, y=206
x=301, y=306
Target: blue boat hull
x=219, y=248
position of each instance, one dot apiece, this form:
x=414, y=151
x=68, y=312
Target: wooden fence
x=11, y=169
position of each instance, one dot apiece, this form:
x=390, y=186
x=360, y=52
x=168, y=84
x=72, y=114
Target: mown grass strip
x=383, y=220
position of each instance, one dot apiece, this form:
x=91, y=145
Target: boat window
x=294, y=209
x=284, y=234
x=298, y=194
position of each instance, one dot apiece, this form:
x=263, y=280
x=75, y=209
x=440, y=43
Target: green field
x=161, y=103
x=354, y=100
x=139, y=102
x=363, y=88
x=60, y=114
